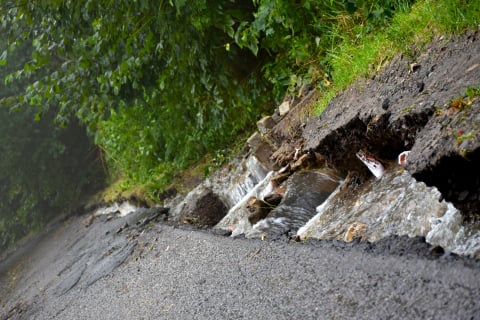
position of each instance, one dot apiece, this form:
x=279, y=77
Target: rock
x=273, y=199
x=283, y=108
x=265, y=124
x=263, y=153
x=395, y=205
x=258, y=210
x=206, y=209
x=356, y=231
x=290, y=127
x=254, y=141
x=446, y=155
x=284, y=154
x=304, y=161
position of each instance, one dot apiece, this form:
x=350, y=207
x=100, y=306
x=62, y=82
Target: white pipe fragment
x=372, y=164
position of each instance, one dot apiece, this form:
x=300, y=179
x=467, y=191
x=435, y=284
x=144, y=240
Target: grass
x=363, y=53
x=472, y=92
x=150, y=191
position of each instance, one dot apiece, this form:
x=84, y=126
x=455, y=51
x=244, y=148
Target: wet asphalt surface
x=158, y=271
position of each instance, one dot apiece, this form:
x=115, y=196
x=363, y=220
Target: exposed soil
x=416, y=103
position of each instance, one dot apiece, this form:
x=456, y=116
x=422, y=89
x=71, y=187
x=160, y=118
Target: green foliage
x=159, y=84
x=364, y=53
x=44, y=169
x=472, y=92
x=164, y=82
x=153, y=81
x=298, y=34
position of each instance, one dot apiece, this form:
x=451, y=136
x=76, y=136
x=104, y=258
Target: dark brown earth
x=426, y=101
x=410, y=105
x=206, y=210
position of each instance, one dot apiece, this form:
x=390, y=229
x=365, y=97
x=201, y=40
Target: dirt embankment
x=427, y=103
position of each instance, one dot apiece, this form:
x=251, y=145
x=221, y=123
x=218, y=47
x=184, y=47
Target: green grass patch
x=363, y=53
x=168, y=176
x=472, y=92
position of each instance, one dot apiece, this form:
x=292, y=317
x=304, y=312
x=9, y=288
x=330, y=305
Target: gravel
x=176, y=273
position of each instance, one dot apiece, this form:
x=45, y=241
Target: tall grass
x=363, y=52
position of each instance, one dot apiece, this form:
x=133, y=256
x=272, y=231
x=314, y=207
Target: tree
x=154, y=67
x=45, y=170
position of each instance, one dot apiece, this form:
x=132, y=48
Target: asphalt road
x=186, y=274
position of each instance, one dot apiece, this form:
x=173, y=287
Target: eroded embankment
x=426, y=103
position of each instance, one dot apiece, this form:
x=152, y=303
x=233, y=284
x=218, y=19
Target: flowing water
x=241, y=177
x=452, y=233
x=317, y=205
x=305, y=190
x=395, y=205
x=238, y=214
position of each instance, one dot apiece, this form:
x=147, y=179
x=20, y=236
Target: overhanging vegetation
x=161, y=84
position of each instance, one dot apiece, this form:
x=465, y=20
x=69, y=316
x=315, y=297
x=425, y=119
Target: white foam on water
x=123, y=209
x=450, y=233
x=236, y=217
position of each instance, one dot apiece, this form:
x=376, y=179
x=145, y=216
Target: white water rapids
x=396, y=204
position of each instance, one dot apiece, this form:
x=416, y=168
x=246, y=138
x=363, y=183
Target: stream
x=319, y=204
